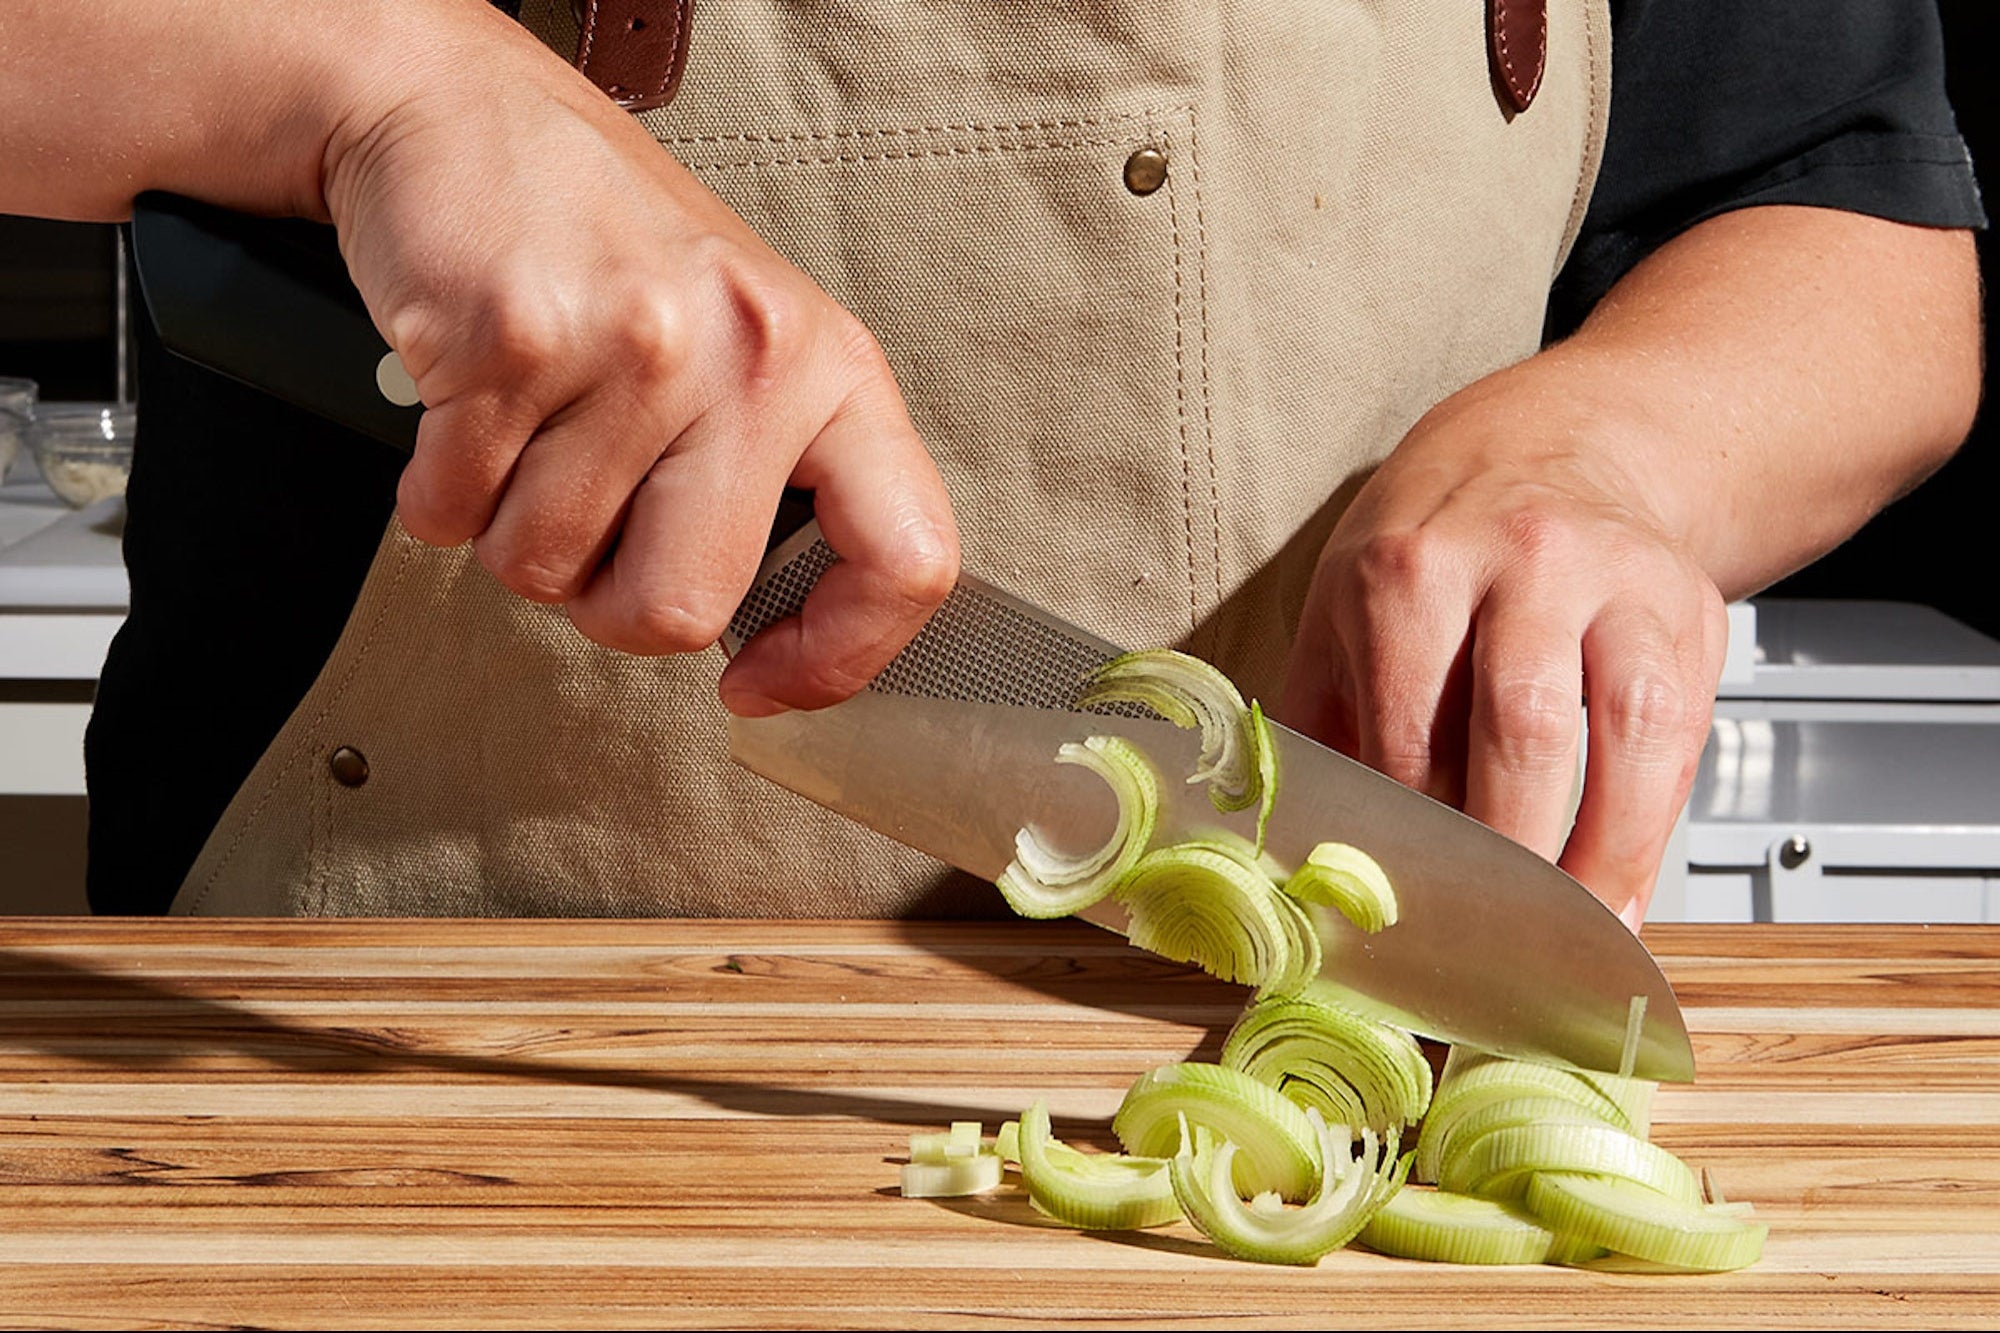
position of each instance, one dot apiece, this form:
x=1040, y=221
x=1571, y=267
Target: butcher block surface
x=675, y=1123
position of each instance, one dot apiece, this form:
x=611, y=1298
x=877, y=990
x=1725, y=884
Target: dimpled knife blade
x=952, y=750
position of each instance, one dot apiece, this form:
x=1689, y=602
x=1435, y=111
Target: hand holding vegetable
x=1566, y=529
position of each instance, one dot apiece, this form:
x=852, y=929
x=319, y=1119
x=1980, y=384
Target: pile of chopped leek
x=1289, y=1148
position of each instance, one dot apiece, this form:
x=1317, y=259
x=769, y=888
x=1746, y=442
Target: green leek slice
x=1628, y=1218
x=1456, y=1229
x=1473, y=1080
x=1303, y=950
x=1265, y=758
x=950, y=1179
x=1498, y=1165
x=1633, y=1096
x=1041, y=883
x=1349, y=880
x=1354, y=1070
x=1444, y=1142
x=1571, y=1249
x=1208, y=904
x=1007, y=1144
x=1190, y=693
x=1352, y=1186
x=1279, y=1149
x=1097, y=1192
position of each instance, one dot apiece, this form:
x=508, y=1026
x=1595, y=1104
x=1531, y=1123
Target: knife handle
x=268, y=301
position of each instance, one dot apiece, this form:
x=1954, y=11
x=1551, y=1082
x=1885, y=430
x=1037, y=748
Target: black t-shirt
x=251, y=525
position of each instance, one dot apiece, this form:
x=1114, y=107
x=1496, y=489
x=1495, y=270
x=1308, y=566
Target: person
x=1275, y=333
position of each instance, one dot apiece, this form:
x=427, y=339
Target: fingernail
x=750, y=703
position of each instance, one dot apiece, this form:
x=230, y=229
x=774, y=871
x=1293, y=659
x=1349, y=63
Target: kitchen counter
x=533, y=1124
x=63, y=594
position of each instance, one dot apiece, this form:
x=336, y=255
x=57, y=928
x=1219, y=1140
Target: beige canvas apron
x=1149, y=408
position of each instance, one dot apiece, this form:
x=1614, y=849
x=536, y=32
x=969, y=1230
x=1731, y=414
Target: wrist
x=417, y=68
x=1582, y=419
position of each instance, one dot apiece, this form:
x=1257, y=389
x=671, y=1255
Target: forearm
x=231, y=102
x=1770, y=379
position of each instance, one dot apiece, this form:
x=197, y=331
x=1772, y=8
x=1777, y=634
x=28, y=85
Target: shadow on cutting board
x=166, y=1029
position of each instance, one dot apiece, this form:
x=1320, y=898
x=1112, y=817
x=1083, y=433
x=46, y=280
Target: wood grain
x=697, y=1124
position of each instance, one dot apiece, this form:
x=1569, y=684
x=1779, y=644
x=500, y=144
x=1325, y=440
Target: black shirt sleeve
x=1724, y=104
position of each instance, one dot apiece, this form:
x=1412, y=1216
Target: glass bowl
x=84, y=449
x=17, y=409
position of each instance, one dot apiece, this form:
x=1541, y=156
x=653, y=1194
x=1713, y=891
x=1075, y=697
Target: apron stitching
x=318, y=837
x=1593, y=137
x=1180, y=386
x=305, y=744
x=907, y=155
x=904, y=131
x=1207, y=396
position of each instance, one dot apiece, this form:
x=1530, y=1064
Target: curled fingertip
x=751, y=703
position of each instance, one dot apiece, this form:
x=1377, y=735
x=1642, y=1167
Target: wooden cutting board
x=453, y=1123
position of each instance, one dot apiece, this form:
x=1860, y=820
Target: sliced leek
x=1094, y=1191
x=1498, y=1165
x=1264, y=755
x=961, y=1140
x=1349, y=880
x=1572, y=1249
x=1279, y=1149
x=1007, y=1144
x=1208, y=904
x=1042, y=883
x=1456, y=1229
x=1445, y=1141
x=1628, y=1218
x=949, y=1179
x=1235, y=746
x=1354, y=1070
x=1473, y=1080
x=1635, y=1026
x=1352, y=1185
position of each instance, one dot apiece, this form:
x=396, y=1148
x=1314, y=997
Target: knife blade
x=951, y=751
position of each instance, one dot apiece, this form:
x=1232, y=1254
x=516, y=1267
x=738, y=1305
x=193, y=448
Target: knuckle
x=652, y=339
x=1531, y=722
x=686, y=626
x=1399, y=562
x=520, y=337
x=537, y=577
x=1406, y=757
x=927, y=573
x=1649, y=711
x=769, y=313
x=440, y=512
x=772, y=320
x=1534, y=535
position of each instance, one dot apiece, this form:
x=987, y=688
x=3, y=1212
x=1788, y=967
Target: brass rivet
x=1145, y=171
x=349, y=766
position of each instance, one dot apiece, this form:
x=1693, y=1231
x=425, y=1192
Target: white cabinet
x=1854, y=775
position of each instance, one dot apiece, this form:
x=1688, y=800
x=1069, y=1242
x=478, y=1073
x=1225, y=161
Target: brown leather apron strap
x=1517, y=43
x=634, y=49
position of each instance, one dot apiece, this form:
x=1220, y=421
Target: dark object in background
x=58, y=294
